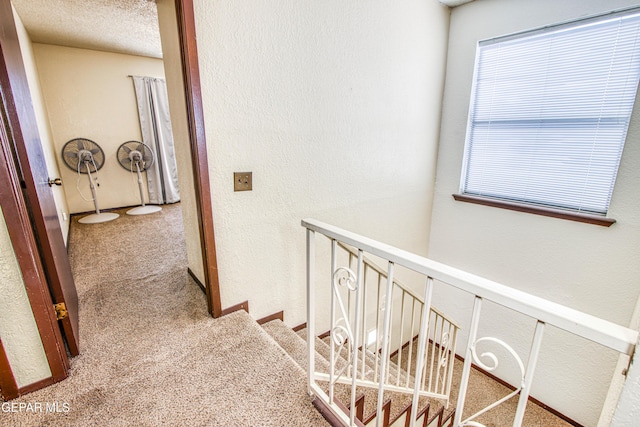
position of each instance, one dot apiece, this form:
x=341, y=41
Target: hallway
x=150, y=353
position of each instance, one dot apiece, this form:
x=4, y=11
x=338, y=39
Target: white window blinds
x=550, y=111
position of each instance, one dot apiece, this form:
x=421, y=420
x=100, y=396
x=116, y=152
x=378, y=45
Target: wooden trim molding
x=36, y=386
x=195, y=118
x=279, y=315
x=299, y=327
x=8, y=385
x=242, y=306
x=198, y=282
x=536, y=210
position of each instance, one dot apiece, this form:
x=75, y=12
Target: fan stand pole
x=97, y=217
x=140, y=185
x=142, y=209
x=93, y=189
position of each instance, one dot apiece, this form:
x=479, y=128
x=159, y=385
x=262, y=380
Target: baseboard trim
x=324, y=335
x=299, y=327
x=242, y=306
x=198, y=282
x=275, y=316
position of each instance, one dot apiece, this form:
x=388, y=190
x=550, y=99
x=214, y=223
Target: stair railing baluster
x=356, y=334
x=385, y=343
x=364, y=323
x=378, y=309
x=531, y=367
x=401, y=339
x=466, y=370
x=311, y=315
x=389, y=341
x=434, y=349
x=452, y=359
x=332, y=348
x=422, y=345
x=413, y=321
x=441, y=350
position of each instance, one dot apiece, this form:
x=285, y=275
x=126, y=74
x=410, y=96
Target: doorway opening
x=181, y=24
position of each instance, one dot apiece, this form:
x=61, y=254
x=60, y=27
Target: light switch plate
x=242, y=181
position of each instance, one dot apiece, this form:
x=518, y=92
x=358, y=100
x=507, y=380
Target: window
x=549, y=114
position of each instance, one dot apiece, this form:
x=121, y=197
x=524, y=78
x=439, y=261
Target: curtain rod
x=151, y=77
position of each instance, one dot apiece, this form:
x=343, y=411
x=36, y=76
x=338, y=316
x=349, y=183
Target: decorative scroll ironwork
x=341, y=332
x=491, y=365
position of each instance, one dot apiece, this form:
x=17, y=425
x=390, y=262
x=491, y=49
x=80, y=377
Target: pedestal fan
x=86, y=157
x=137, y=157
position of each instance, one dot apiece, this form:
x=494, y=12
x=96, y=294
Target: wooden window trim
x=536, y=210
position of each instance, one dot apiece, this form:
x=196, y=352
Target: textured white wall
x=175, y=90
x=590, y=268
x=42, y=119
x=334, y=106
x=628, y=410
x=88, y=95
x=18, y=329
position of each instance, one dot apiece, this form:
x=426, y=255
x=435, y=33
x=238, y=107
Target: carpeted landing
x=150, y=353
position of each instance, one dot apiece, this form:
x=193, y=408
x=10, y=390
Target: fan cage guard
x=84, y=156
x=79, y=154
x=137, y=157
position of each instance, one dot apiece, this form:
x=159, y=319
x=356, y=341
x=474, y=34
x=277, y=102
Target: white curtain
x=155, y=123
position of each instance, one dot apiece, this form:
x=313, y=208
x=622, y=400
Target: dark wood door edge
x=36, y=386
x=195, y=118
x=242, y=306
x=279, y=316
x=198, y=282
x=24, y=246
x=38, y=196
x=8, y=385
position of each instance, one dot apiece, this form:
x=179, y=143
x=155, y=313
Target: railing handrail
x=397, y=282
x=603, y=332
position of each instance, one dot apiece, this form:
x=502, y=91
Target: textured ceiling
x=124, y=26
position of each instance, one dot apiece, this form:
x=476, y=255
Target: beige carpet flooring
x=150, y=354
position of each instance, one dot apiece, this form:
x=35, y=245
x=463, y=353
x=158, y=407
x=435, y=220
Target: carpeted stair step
x=395, y=375
x=399, y=401
x=293, y=344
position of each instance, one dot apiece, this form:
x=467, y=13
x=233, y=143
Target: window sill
x=536, y=210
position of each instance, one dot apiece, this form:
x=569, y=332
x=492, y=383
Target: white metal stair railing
x=349, y=331
x=406, y=310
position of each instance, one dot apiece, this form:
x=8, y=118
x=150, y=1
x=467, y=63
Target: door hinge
x=61, y=311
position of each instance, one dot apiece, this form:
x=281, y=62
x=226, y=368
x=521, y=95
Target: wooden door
x=34, y=177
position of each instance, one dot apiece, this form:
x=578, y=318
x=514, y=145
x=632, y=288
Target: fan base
x=98, y=218
x=144, y=210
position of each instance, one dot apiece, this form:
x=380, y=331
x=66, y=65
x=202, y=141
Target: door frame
x=195, y=120
x=17, y=213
